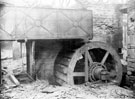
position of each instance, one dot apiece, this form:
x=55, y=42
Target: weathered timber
x=30, y=56
x=83, y=58
x=62, y=68
x=0, y=66
x=61, y=76
x=42, y=23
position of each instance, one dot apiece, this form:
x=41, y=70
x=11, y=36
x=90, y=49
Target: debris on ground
x=14, y=66
x=41, y=89
x=24, y=77
x=14, y=80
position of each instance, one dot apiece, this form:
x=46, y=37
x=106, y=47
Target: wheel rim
x=110, y=61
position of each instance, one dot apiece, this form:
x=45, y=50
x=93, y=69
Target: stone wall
x=107, y=24
x=131, y=36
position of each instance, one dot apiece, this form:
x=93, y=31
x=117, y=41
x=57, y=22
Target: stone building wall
x=131, y=36
x=107, y=24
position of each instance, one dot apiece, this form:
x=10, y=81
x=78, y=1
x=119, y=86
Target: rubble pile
x=42, y=90
x=14, y=66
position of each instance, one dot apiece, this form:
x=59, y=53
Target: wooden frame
x=30, y=45
x=0, y=66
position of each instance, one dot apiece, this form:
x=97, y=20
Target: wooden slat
x=0, y=66
x=61, y=68
x=63, y=61
x=86, y=65
x=59, y=81
x=61, y=76
x=66, y=54
x=79, y=74
x=30, y=56
x=89, y=57
x=105, y=57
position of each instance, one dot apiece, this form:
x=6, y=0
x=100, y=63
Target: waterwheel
x=92, y=62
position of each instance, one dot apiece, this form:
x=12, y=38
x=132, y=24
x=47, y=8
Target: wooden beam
x=59, y=81
x=30, y=45
x=105, y=57
x=61, y=76
x=0, y=66
x=79, y=74
x=89, y=57
x=86, y=65
x=62, y=69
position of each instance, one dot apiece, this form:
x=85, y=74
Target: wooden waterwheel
x=92, y=62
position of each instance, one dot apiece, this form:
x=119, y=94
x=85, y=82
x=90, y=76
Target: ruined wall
x=131, y=36
x=107, y=24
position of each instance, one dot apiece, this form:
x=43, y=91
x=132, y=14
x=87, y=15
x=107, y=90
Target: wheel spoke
x=105, y=57
x=86, y=66
x=89, y=57
x=79, y=74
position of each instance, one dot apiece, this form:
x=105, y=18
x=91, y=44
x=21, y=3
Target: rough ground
x=42, y=90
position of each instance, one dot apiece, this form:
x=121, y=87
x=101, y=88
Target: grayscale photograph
x=67, y=49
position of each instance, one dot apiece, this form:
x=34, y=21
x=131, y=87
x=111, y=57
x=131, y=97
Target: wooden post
x=86, y=64
x=30, y=56
x=0, y=66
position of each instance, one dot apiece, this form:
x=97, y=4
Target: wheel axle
x=95, y=71
x=98, y=71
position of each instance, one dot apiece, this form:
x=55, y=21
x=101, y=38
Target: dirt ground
x=41, y=89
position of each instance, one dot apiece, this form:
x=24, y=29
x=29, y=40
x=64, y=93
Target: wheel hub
x=97, y=71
